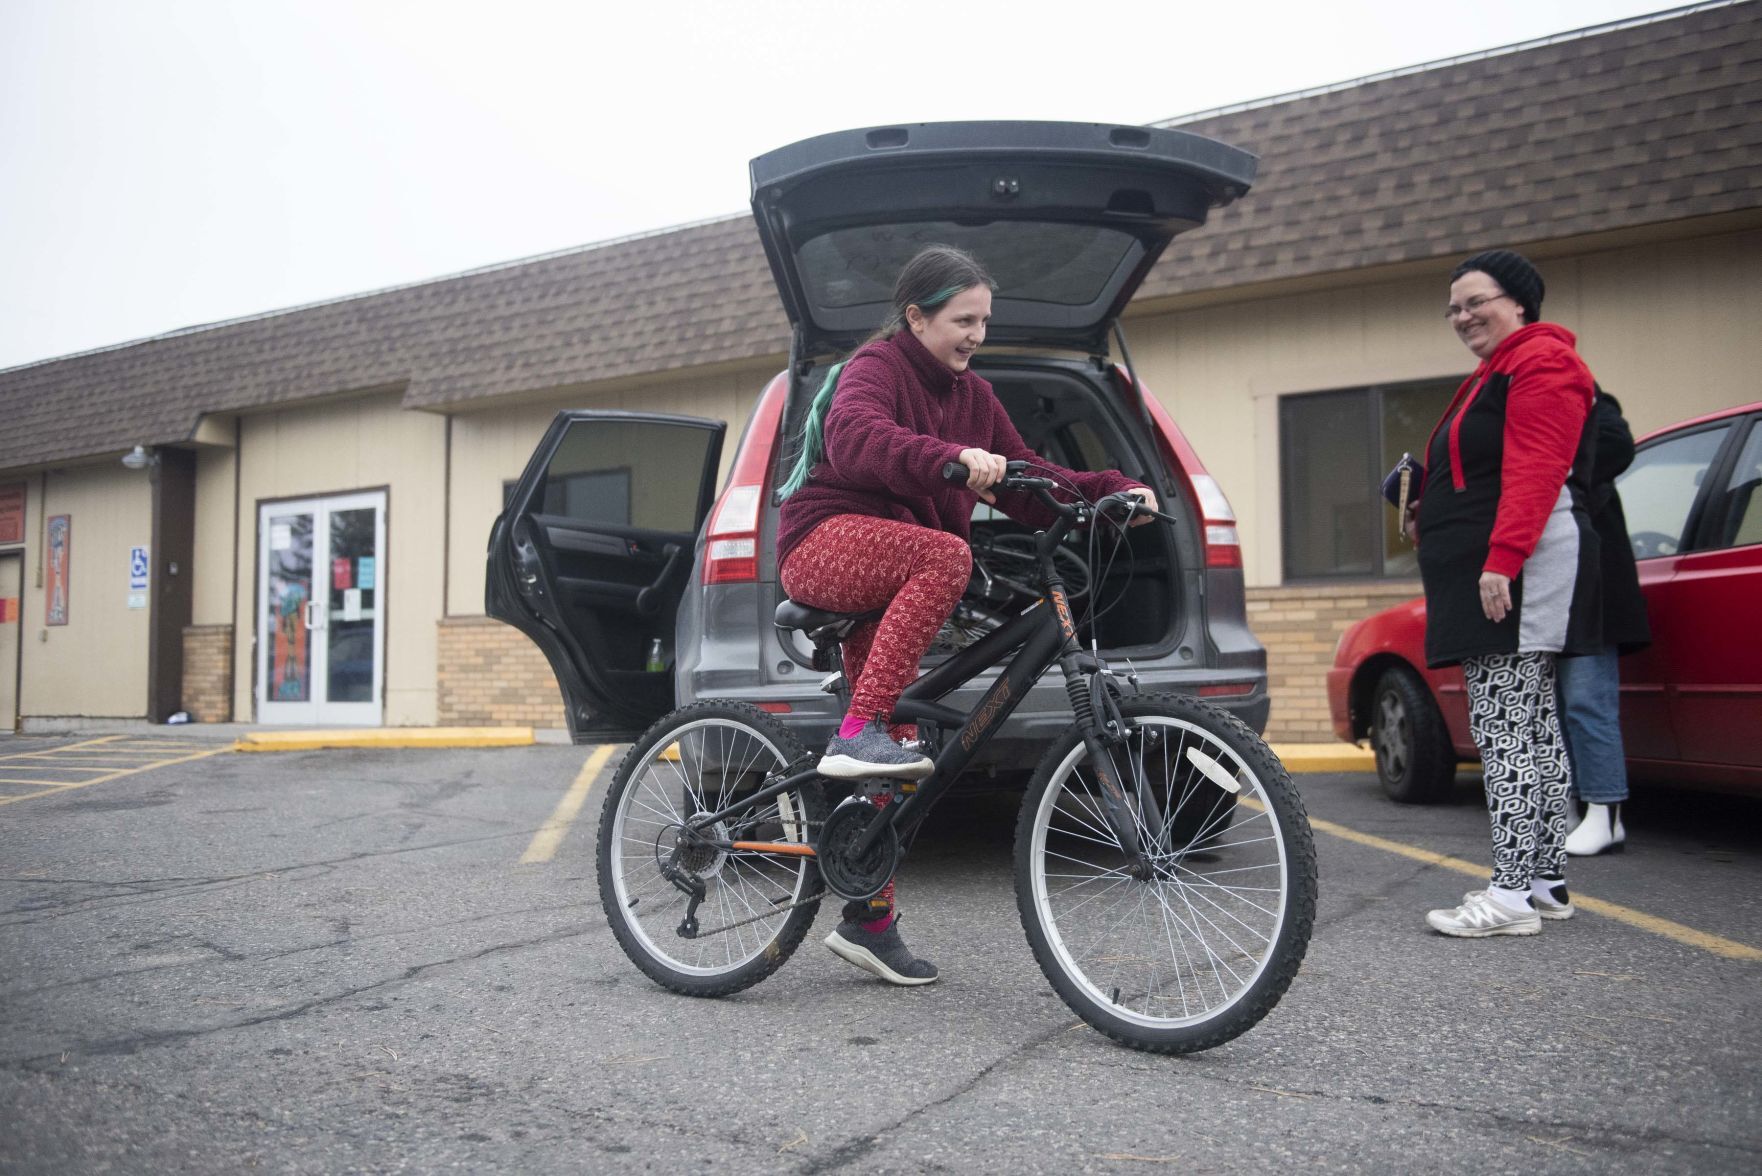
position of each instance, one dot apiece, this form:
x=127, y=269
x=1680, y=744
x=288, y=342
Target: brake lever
x=1135, y=506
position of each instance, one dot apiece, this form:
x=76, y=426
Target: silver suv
x=646, y=589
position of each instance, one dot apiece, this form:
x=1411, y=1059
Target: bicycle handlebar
x=1126, y=505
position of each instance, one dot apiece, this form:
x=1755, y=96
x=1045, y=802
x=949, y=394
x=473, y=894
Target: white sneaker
x=1601, y=831
x=1480, y=916
x=1546, y=906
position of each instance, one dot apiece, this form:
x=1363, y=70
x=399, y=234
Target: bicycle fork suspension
x=1100, y=741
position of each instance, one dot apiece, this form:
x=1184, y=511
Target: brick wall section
x=1300, y=625
x=207, y=689
x=492, y=675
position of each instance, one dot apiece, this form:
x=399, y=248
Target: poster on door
x=289, y=662
x=60, y=544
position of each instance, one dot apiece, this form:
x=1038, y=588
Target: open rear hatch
x=1068, y=217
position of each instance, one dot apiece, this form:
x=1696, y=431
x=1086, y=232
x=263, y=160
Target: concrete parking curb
x=1325, y=757
x=387, y=737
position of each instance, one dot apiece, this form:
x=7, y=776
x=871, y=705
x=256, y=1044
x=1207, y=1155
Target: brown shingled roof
x=1647, y=122
x=1641, y=124
x=657, y=302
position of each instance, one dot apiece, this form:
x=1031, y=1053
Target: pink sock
x=876, y=926
x=851, y=725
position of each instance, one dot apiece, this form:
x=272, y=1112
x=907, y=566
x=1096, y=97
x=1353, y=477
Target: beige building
x=303, y=540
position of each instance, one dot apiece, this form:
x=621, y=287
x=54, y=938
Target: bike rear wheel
x=1203, y=948
x=694, y=761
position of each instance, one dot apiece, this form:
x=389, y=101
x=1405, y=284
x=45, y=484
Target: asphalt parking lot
x=390, y=961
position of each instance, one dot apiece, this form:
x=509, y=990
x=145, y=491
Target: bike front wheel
x=1203, y=945
x=756, y=906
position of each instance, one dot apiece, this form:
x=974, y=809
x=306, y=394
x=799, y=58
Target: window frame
x=1371, y=398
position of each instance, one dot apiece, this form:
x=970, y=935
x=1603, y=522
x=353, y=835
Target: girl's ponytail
x=813, y=435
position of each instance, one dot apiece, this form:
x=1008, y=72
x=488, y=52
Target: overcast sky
x=165, y=163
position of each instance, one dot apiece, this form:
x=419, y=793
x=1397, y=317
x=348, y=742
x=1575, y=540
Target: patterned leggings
x=1515, y=720
x=853, y=563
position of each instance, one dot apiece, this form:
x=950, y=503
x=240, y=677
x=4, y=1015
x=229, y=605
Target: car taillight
x=732, y=552
x=731, y=544
x=1223, y=545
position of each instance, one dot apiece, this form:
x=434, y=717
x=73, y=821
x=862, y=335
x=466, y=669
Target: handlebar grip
x=954, y=471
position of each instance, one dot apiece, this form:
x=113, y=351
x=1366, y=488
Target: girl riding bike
x=868, y=523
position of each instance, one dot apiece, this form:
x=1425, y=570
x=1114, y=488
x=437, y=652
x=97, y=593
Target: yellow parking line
x=90, y=757
x=36, y=783
x=550, y=834
x=53, y=789
x=1729, y=948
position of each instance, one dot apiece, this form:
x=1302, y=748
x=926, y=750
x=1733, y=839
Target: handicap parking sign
x=137, y=568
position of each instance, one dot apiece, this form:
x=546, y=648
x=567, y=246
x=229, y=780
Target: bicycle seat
x=821, y=625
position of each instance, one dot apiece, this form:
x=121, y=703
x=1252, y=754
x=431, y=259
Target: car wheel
x=1415, y=761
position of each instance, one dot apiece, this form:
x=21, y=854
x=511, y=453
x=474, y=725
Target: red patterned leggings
x=854, y=563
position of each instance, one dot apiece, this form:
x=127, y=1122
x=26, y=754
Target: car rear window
x=1061, y=265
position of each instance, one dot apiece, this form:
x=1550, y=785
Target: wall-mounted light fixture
x=140, y=458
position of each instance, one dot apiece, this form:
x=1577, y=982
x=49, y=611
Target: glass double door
x=321, y=611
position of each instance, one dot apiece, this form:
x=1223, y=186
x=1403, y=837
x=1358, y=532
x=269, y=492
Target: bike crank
x=848, y=875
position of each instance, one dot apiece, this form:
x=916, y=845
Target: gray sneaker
x=1480, y=916
x=882, y=952
x=872, y=752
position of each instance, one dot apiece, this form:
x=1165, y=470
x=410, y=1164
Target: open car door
x=592, y=554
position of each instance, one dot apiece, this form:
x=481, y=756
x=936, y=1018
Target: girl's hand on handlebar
x=1148, y=497
x=984, y=470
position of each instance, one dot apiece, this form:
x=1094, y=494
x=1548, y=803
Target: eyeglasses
x=1472, y=306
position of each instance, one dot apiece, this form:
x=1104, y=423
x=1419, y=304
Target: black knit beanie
x=1515, y=275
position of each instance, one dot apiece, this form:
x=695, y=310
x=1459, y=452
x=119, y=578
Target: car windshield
x=1055, y=264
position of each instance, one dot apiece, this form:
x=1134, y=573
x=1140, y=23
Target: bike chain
x=812, y=827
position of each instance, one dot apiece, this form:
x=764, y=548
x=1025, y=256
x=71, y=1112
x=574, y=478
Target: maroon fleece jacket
x=899, y=414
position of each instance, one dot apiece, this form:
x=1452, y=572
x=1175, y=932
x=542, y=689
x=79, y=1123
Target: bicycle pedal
x=881, y=792
x=831, y=682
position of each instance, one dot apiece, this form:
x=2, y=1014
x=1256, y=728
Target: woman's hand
x=984, y=470
x=1410, y=524
x=1148, y=496
x=1495, y=596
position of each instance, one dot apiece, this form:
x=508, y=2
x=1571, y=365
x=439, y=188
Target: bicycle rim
x=701, y=766
x=1200, y=951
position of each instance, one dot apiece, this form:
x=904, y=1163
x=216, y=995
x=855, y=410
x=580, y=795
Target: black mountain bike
x=1165, y=872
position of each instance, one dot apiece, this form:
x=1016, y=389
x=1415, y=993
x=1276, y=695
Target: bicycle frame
x=1043, y=641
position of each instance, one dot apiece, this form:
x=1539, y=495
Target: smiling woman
x=1509, y=561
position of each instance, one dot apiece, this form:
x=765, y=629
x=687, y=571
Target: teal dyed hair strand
x=941, y=296
x=813, y=434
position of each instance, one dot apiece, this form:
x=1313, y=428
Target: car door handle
x=649, y=600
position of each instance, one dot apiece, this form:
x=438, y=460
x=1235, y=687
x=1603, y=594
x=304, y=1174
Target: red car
x=1691, y=703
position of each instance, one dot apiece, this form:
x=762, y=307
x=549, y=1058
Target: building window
x=590, y=496
x=1334, y=448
